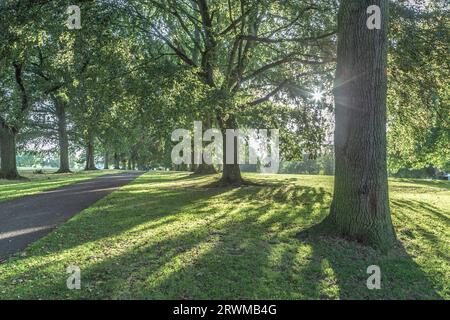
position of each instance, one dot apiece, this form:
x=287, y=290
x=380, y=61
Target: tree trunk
x=192, y=167
x=116, y=161
x=129, y=164
x=8, y=169
x=204, y=168
x=106, y=160
x=360, y=208
x=62, y=137
x=231, y=174
x=90, y=161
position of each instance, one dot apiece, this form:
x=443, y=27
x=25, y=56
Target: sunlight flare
x=317, y=95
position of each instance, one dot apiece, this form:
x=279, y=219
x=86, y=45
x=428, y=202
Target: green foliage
x=138, y=70
x=324, y=165
x=419, y=95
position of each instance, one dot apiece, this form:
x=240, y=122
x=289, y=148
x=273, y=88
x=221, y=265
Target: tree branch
x=270, y=94
x=18, y=75
x=269, y=40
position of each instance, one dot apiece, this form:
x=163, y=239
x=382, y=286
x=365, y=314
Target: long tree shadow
x=215, y=226
x=202, y=247
x=339, y=268
x=267, y=265
x=112, y=215
x=402, y=277
x=441, y=184
x=423, y=208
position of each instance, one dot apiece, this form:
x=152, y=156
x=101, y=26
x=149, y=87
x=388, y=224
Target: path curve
x=24, y=220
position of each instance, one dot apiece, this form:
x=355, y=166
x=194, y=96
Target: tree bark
x=8, y=169
x=231, y=173
x=192, y=167
x=204, y=168
x=106, y=160
x=90, y=160
x=360, y=208
x=116, y=161
x=63, y=139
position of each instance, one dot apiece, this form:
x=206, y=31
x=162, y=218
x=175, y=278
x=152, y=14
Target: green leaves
x=418, y=123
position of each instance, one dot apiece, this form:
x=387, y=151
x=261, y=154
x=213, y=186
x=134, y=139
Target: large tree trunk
x=90, y=160
x=116, y=161
x=360, y=208
x=8, y=169
x=8, y=134
x=192, y=166
x=231, y=174
x=106, y=160
x=62, y=137
x=203, y=168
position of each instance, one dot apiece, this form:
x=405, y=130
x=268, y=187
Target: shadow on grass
x=13, y=189
x=423, y=208
x=443, y=184
x=226, y=244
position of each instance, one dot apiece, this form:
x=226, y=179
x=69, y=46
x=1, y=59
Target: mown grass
x=170, y=236
x=35, y=183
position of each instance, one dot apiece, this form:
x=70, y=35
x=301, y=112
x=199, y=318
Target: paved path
x=24, y=220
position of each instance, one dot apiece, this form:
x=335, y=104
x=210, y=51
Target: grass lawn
x=167, y=235
x=35, y=183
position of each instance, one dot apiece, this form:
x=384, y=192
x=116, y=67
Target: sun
x=317, y=95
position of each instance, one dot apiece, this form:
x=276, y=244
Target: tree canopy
x=137, y=70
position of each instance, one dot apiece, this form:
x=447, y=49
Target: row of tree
x=137, y=70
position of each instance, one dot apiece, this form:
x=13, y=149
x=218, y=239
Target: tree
x=47, y=125
x=15, y=100
x=63, y=138
x=360, y=207
x=246, y=52
x=13, y=119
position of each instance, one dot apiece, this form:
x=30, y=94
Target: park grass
x=35, y=183
x=172, y=236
